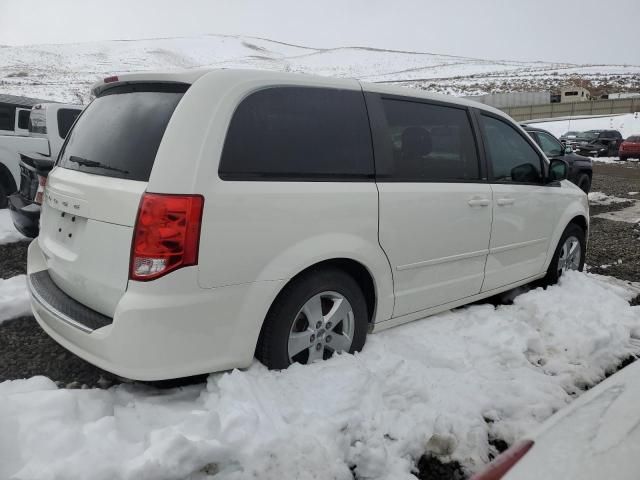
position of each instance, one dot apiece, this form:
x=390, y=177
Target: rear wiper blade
x=92, y=163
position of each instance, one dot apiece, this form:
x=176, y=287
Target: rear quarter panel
x=254, y=231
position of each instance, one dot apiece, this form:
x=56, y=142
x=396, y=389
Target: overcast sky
x=584, y=31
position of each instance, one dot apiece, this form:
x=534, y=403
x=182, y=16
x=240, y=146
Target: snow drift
x=445, y=384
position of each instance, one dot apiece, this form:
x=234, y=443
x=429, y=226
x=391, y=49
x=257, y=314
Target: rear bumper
x=165, y=329
x=25, y=215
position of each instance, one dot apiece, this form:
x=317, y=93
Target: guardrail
x=572, y=109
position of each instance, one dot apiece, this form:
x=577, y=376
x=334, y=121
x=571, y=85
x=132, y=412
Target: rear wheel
x=569, y=254
x=623, y=158
x=4, y=199
x=584, y=182
x=318, y=314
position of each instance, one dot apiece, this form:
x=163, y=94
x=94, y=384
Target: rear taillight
x=42, y=183
x=504, y=462
x=166, y=235
x=111, y=79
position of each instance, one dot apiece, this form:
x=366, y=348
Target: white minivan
x=197, y=220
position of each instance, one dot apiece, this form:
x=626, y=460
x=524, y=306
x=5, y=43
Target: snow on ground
x=443, y=384
x=8, y=232
x=630, y=214
x=628, y=124
x=599, y=198
x=14, y=299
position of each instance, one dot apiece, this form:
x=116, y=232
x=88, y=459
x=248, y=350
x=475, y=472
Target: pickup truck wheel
x=316, y=315
x=4, y=199
x=569, y=254
x=584, y=182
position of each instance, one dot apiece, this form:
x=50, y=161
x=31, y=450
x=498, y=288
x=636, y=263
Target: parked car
x=53, y=124
x=24, y=205
x=599, y=143
x=570, y=137
x=580, y=167
x=595, y=437
x=630, y=148
x=196, y=220
x=47, y=125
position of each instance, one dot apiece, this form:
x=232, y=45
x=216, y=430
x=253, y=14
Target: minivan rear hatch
x=93, y=194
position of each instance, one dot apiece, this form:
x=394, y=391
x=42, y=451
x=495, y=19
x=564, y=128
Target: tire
x=623, y=158
x=286, y=325
x=554, y=272
x=584, y=182
x=4, y=197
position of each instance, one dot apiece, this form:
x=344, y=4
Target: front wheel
x=584, y=182
x=318, y=314
x=569, y=254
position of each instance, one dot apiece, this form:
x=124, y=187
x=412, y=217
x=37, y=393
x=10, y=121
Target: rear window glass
x=66, y=117
x=633, y=139
x=299, y=133
x=119, y=133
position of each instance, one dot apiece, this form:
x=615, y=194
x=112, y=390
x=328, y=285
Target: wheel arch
x=575, y=213
x=7, y=180
x=357, y=270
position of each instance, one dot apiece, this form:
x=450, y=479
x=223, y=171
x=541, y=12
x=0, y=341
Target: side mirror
x=568, y=149
x=558, y=170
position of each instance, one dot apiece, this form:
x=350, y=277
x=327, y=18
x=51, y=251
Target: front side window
x=512, y=158
x=299, y=133
x=550, y=146
x=38, y=121
x=430, y=142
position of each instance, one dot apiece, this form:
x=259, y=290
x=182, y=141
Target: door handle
x=504, y=201
x=479, y=202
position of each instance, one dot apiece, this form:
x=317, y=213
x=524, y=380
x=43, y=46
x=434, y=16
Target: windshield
x=590, y=135
x=119, y=133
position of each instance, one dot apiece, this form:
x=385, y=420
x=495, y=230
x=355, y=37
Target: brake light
x=504, y=462
x=112, y=79
x=166, y=235
x=42, y=183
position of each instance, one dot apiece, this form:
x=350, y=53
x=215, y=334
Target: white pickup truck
x=40, y=130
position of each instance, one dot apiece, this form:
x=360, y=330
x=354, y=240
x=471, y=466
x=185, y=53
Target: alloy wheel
x=570, y=255
x=324, y=325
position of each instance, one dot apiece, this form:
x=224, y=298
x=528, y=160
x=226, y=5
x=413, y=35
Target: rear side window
x=119, y=133
x=430, y=142
x=511, y=157
x=7, y=115
x=23, y=119
x=299, y=133
x=66, y=117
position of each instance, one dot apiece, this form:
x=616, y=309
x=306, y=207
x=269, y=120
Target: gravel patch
x=614, y=247
x=26, y=350
x=13, y=259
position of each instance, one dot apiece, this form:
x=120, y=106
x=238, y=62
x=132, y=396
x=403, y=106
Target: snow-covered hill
x=64, y=72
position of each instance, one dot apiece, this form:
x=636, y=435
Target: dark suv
x=580, y=168
x=599, y=143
